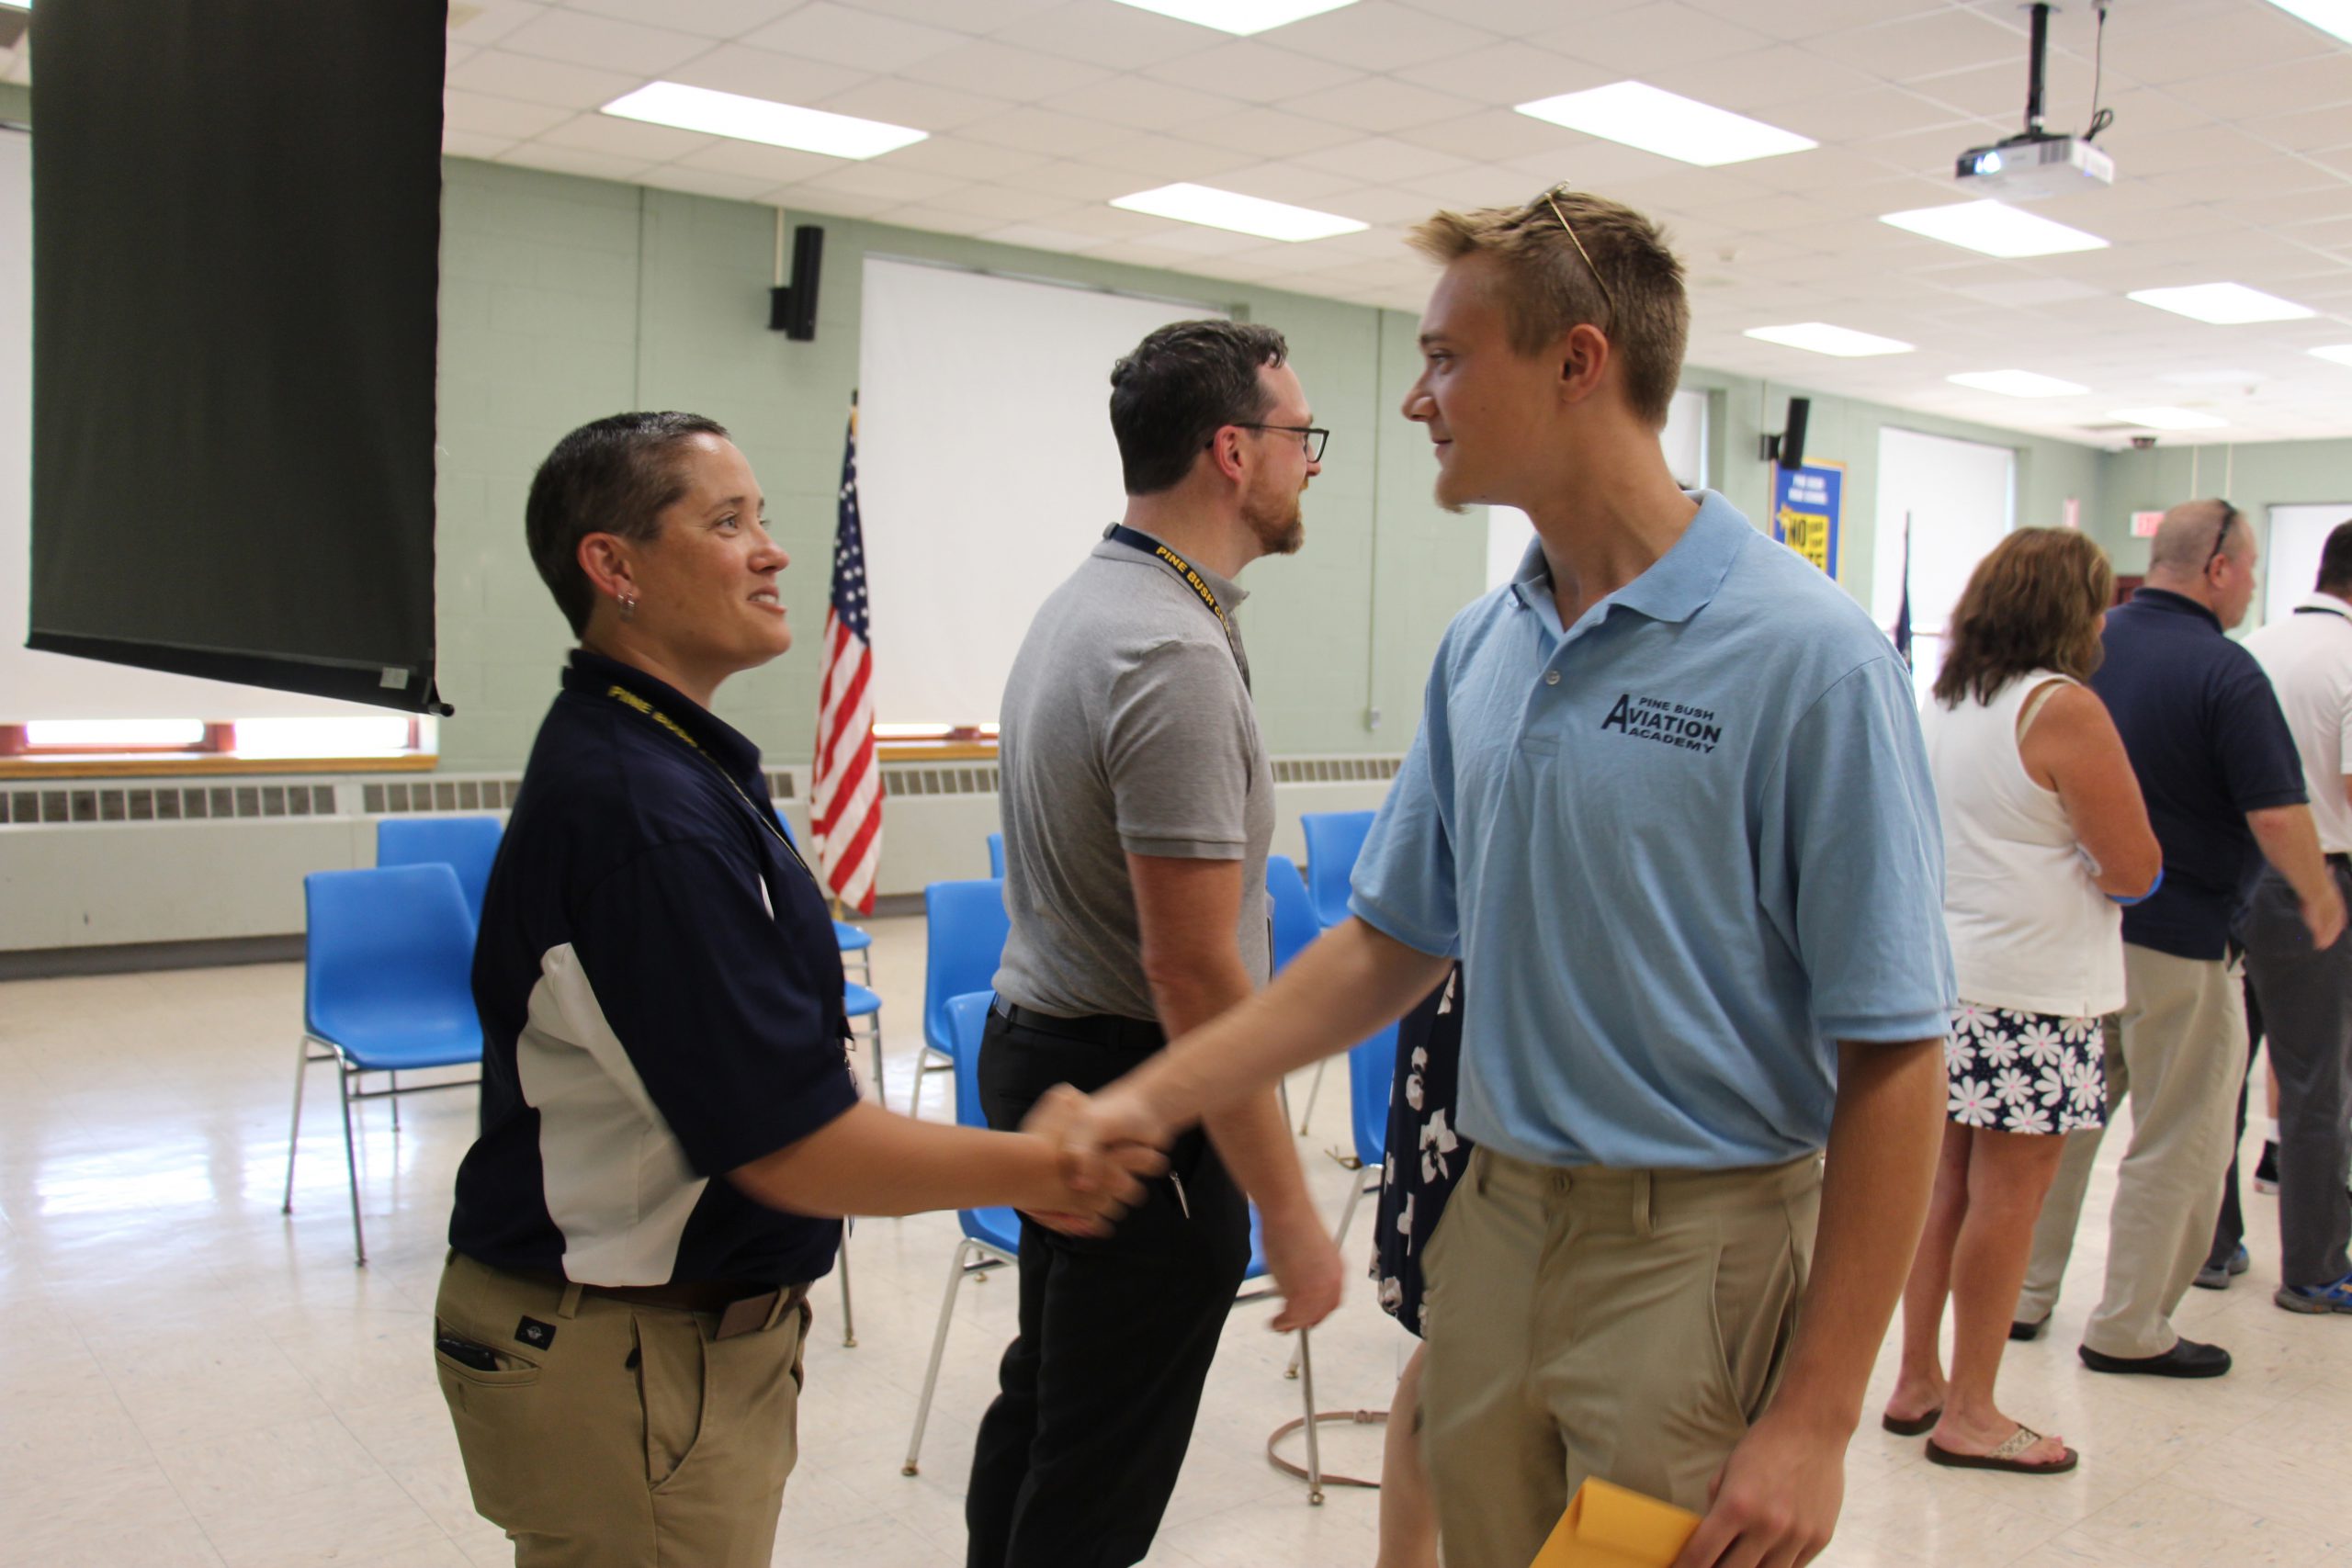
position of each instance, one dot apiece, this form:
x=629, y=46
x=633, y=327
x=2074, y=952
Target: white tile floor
x=187, y=1378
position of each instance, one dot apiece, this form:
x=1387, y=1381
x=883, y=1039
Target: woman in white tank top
x=2044, y=835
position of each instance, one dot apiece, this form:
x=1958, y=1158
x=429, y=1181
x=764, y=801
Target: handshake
x=1105, y=1146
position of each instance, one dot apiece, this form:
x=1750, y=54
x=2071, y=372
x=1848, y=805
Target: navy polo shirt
x=2209, y=744
x=661, y=1001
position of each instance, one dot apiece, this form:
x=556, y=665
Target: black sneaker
x=2265, y=1169
x=2216, y=1276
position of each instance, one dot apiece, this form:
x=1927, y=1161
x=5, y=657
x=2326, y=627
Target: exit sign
x=2143, y=524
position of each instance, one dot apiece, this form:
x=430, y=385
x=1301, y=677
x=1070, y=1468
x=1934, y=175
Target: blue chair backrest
x=967, y=1015
x=1334, y=839
x=1372, y=1073
x=466, y=844
x=391, y=943
x=996, y=854
x=1294, y=916
x=965, y=945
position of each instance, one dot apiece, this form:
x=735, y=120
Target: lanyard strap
x=636, y=704
x=2322, y=610
x=1136, y=540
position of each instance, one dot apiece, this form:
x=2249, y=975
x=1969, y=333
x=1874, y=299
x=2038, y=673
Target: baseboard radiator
x=91, y=864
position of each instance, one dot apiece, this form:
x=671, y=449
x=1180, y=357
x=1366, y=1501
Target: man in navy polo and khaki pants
x=1669, y=804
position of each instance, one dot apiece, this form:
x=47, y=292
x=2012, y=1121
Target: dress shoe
x=2187, y=1359
x=2023, y=1331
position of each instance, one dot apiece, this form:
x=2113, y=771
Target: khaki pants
x=2177, y=1050
x=634, y=1437
x=1624, y=1324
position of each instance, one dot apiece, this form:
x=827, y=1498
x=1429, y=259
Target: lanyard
x=1135, y=540
x=2322, y=610
x=630, y=700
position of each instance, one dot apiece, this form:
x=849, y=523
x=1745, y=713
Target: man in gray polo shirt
x=1138, y=804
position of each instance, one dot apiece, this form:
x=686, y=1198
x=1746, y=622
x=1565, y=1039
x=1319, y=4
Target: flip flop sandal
x=2004, y=1456
x=1915, y=1426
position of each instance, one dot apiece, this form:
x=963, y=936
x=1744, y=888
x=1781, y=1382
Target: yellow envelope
x=1607, y=1527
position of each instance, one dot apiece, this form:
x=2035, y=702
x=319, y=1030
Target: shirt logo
x=1671, y=724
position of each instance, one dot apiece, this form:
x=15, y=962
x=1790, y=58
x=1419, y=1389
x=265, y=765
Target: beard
x=1279, y=529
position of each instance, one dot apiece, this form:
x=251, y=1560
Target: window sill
x=935, y=751
x=167, y=764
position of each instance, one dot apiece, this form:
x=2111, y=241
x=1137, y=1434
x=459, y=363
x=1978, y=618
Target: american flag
x=845, y=807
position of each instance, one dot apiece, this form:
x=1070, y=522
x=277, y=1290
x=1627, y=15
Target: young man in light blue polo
x=1669, y=805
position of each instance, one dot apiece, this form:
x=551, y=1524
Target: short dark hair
x=613, y=476
x=2336, y=561
x=1181, y=384
x=2036, y=601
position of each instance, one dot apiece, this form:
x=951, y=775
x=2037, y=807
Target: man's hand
x=1306, y=1267
x=1089, y=1130
x=2324, y=916
x=1775, y=1501
x=1096, y=1183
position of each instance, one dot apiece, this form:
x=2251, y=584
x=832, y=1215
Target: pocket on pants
x=1758, y=1281
x=672, y=1388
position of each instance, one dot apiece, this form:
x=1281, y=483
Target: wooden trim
x=187, y=765
x=935, y=751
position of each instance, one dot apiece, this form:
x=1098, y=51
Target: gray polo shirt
x=1127, y=727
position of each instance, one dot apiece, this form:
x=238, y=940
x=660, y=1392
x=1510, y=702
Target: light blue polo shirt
x=1683, y=848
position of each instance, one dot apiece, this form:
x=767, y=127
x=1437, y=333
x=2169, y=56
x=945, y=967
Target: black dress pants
x=1077, y=1457
x=2229, y=1230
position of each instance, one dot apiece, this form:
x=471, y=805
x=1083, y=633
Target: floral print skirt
x=2024, y=1072
x=1426, y=1154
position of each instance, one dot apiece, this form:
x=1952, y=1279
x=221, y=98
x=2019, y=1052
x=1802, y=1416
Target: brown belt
x=744, y=1307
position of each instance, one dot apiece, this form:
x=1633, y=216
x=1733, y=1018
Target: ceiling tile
x=1495, y=135
x=1035, y=130
x=1748, y=82
x=2210, y=40
x=1002, y=71
x=710, y=19
x=937, y=221
x=1074, y=181
x=965, y=160
x=500, y=74
x=1156, y=160
x=1506, y=74
x=1119, y=36
x=578, y=39
x=1271, y=133
x=1645, y=38
x=1378, y=158
x=962, y=16
x=803, y=199
x=1042, y=237
x=764, y=74
x=1378, y=35
x=881, y=180
x=482, y=22
x=841, y=36
x=753, y=160
x=473, y=144
x=1380, y=103
x=512, y=119
x=626, y=138
x=896, y=101
x=1140, y=103
x=2309, y=130
x=1248, y=69
x=1296, y=183
x=1813, y=18
x=1001, y=203
x=573, y=160
x=1937, y=43
x=707, y=182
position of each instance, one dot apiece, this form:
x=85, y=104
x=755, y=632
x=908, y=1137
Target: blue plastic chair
x=387, y=986
x=965, y=945
x=1334, y=839
x=991, y=1237
x=1293, y=916
x=996, y=854
x=466, y=844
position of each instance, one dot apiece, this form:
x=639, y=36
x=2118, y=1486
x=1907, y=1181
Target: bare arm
x=869, y=1161
x=1778, y=1498
x=1189, y=912
x=2071, y=746
x=2289, y=841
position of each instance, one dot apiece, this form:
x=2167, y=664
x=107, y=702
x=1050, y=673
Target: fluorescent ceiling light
x=1242, y=17
x=2017, y=383
x=2341, y=352
x=2327, y=16
x=1994, y=228
x=2225, y=304
x=2168, y=419
x=1820, y=337
x=1216, y=208
x=761, y=120
x=1639, y=115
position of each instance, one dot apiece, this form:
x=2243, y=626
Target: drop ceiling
x=2233, y=139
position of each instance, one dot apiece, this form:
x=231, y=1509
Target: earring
x=628, y=605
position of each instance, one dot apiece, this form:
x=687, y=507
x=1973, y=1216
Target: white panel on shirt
x=2309, y=659
x=618, y=1184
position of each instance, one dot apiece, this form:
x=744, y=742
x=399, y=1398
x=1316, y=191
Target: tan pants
x=2177, y=1050
x=1622, y=1323
x=633, y=1438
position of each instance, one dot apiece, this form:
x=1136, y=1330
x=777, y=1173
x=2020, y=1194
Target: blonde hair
x=1569, y=259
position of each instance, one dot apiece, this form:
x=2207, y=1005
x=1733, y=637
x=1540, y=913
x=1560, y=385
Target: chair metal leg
x=874, y=1035
x=1347, y=1215
x=849, y=1319
x=393, y=1087
x=351, y=1161
x=294, y=1128
x=938, y=1349
x=1313, y=1438
x=1313, y=1087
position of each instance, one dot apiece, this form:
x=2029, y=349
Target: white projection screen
x=985, y=468
x=1959, y=497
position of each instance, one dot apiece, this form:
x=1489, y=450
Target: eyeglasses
x=1312, y=438
x=1602, y=283
x=2222, y=535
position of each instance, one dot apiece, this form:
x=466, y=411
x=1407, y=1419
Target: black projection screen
x=236, y=226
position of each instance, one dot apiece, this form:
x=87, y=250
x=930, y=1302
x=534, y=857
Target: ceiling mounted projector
x=2037, y=162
